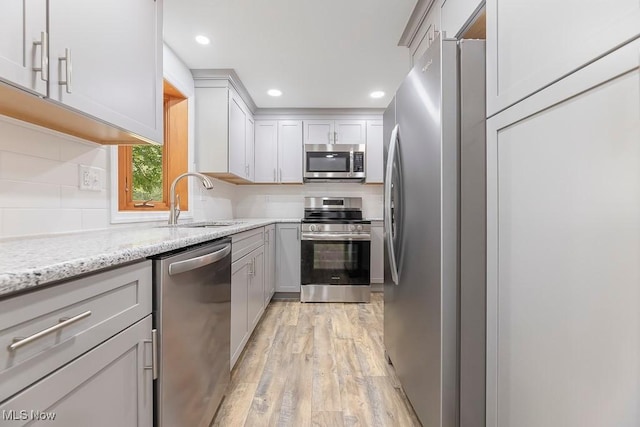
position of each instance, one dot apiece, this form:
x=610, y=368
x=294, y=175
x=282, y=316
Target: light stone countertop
x=33, y=261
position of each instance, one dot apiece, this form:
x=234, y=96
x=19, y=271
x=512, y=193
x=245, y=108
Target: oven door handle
x=336, y=237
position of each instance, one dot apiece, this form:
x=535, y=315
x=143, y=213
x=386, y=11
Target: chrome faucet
x=174, y=209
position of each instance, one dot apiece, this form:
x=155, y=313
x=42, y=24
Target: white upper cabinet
x=250, y=147
x=237, y=137
x=374, y=155
x=225, y=135
x=318, y=131
x=101, y=65
x=350, y=132
x=266, y=151
x=23, y=27
x=335, y=131
x=290, y=151
x=278, y=151
x=105, y=60
x=523, y=54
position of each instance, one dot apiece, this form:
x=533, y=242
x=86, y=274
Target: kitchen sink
x=205, y=224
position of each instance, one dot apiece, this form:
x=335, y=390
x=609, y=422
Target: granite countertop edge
x=43, y=260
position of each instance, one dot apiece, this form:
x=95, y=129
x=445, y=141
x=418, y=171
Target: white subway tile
x=21, y=167
x=93, y=219
x=72, y=197
x=26, y=140
x=20, y=194
x=22, y=222
x=85, y=154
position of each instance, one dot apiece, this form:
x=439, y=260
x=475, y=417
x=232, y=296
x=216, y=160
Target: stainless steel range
x=336, y=251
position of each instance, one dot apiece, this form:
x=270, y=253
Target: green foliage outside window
x=147, y=172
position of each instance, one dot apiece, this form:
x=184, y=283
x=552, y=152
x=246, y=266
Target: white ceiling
x=321, y=54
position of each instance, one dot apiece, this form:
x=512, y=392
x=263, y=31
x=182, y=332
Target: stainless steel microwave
x=334, y=162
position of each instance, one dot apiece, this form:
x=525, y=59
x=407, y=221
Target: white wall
x=287, y=201
x=39, y=181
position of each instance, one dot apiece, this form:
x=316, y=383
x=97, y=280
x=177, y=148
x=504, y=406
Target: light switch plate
x=90, y=178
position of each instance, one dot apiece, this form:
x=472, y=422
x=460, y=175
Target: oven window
x=336, y=262
x=328, y=162
x=335, y=256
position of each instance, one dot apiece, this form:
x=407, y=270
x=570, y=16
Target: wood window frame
x=174, y=157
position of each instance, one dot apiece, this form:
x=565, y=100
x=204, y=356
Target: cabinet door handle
x=280, y=174
x=335, y=137
x=252, y=267
x=68, y=70
x=64, y=322
x=44, y=56
x=298, y=231
x=154, y=353
x=274, y=175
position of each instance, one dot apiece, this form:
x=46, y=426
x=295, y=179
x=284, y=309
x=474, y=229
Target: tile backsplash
x=39, y=187
x=39, y=176
x=287, y=201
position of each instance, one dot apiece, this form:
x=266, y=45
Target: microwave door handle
x=388, y=227
x=350, y=162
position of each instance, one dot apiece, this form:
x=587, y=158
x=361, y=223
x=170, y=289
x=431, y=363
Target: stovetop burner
x=337, y=210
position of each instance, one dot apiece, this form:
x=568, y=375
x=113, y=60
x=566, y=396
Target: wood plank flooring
x=316, y=365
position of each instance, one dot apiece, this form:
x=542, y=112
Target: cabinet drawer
x=110, y=302
x=245, y=242
x=110, y=385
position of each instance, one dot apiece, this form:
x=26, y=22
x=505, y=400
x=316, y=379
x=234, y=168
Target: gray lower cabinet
x=239, y=299
x=269, y=263
x=377, y=252
x=80, y=352
x=288, y=256
x=255, y=301
x=111, y=385
x=247, y=289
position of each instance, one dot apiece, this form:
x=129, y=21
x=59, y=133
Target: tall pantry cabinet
x=563, y=211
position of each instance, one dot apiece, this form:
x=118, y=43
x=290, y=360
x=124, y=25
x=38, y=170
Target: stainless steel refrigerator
x=434, y=292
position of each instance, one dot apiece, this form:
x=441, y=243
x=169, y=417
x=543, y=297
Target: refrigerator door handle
x=393, y=143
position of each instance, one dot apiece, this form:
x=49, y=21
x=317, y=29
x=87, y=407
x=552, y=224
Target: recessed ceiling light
x=203, y=39
x=377, y=94
x=274, y=92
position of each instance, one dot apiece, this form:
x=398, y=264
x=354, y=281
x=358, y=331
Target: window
x=145, y=172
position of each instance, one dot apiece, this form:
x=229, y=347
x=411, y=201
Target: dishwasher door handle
x=201, y=261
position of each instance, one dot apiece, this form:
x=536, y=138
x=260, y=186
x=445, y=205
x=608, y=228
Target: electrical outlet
x=90, y=178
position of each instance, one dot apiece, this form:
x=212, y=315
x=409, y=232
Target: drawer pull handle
x=64, y=322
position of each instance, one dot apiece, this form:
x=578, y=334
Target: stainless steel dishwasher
x=192, y=313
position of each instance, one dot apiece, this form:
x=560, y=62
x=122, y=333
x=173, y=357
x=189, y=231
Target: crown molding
x=226, y=76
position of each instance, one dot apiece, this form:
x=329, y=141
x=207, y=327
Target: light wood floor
x=316, y=365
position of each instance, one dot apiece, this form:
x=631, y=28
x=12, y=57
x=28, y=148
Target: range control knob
x=313, y=227
x=359, y=228
x=352, y=227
